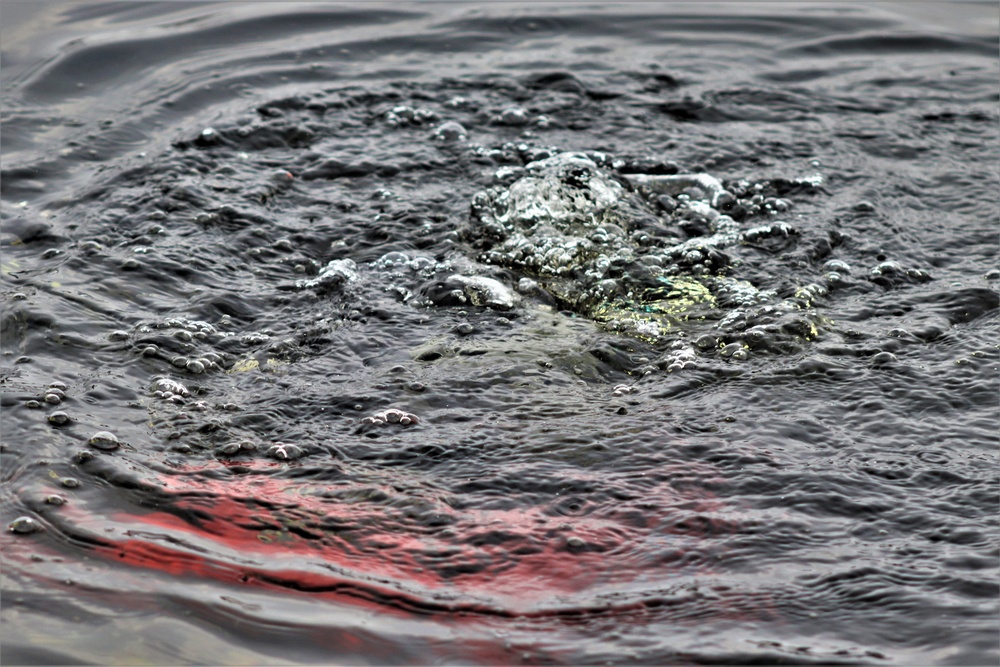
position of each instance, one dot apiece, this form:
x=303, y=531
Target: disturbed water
x=628, y=334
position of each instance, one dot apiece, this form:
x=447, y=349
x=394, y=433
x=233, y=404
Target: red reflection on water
x=267, y=531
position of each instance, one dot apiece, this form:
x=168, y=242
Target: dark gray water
x=391, y=378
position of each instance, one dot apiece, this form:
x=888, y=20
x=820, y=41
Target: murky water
x=448, y=334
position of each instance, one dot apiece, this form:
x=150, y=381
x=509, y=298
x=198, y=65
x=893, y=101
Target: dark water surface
x=654, y=417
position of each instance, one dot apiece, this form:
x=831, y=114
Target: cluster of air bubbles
x=805, y=296
x=207, y=361
x=684, y=188
x=54, y=394
x=732, y=292
x=890, y=273
x=398, y=263
x=679, y=357
x=255, y=338
x=402, y=116
x=647, y=329
x=238, y=447
x=391, y=416
x=169, y=390
x=177, y=340
x=773, y=236
x=460, y=102
x=506, y=175
x=335, y=274
x=517, y=154
x=734, y=351
x=753, y=199
x=459, y=291
x=485, y=292
x=836, y=273
x=589, y=244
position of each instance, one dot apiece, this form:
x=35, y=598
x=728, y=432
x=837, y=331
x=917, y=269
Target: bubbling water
x=580, y=232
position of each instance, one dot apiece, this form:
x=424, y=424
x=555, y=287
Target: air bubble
x=59, y=418
x=514, y=116
x=706, y=342
x=883, y=359
x=104, y=440
x=888, y=268
x=755, y=336
x=450, y=131
x=24, y=525
x=837, y=265
x=284, y=451
x=834, y=279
